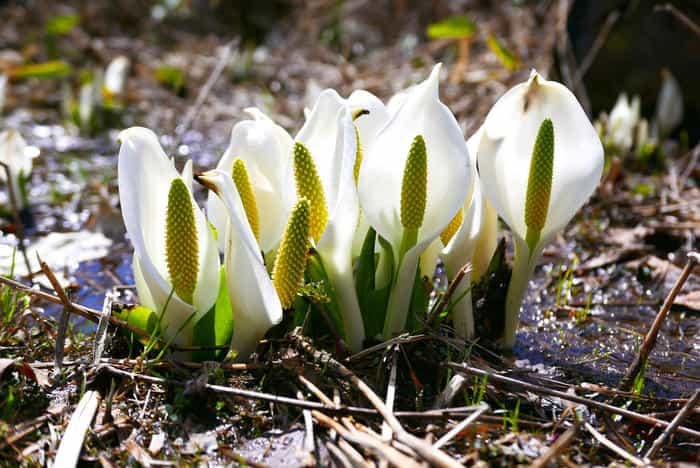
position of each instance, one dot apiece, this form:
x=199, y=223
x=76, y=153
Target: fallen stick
x=434, y=456
x=650, y=338
x=559, y=445
x=375, y=445
x=615, y=448
x=63, y=319
x=94, y=315
x=569, y=397
x=682, y=414
x=444, y=440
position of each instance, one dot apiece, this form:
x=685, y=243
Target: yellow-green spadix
x=255, y=303
x=262, y=149
x=422, y=133
x=176, y=263
x=324, y=158
x=539, y=160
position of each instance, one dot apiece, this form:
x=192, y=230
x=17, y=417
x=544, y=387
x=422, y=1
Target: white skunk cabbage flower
x=176, y=262
x=324, y=158
x=369, y=115
x=254, y=300
x=115, y=76
x=413, y=180
x=17, y=155
x=669, y=105
x=623, y=120
x=539, y=160
x=258, y=159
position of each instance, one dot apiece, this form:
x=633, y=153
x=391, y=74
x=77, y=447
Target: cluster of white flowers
x=362, y=201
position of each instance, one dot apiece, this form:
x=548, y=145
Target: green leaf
x=316, y=272
x=454, y=27
x=215, y=328
x=47, y=70
x=373, y=302
x=61, y=25
x=419, y=304
x=506, y=57
x=140, y=317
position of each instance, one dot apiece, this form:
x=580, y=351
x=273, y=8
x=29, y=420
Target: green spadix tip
x=539, y=183
x=181, y=245
x=290, y=264
x=358, y=156
x=245, y=191
x=309, y=186
x=414, y=185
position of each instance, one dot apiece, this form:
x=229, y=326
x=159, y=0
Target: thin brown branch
x=557, y=448
x=447, y=438
x=497, y=378
x=425, y=450
x=682, y=414
x=598, y=43
x=615, y=448
x=445, y=300
x=650, y=339
x=94, y=315
x=682, y=17
x=65, y=314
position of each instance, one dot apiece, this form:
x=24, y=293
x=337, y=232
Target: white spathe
x=265, y=148
x=623, y=120
x=381, y=178
x=504, y=156
x=145, y=176
x=115, y=75
x=505, y=151
x=17, y=155
x=329, y=135
x=256, y=306
x=669, y=105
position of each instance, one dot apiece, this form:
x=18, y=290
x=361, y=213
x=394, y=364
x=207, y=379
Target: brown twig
x=650, y=338
x=14, y=208
x=598, y=43
x=610, y=445
x=444, y=440
x=559, y=445
x=425, y=450
x=304, y=404
x=445, y=300
x=682, y=17
x=94, y=315
x=382, y=449
x=460, y=367
x=65, y=314
x=682, y=414
x=204, y=92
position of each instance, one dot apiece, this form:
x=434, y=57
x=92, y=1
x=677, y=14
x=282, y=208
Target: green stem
x=408, y=240
x=523, y=266
x=401, y=287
